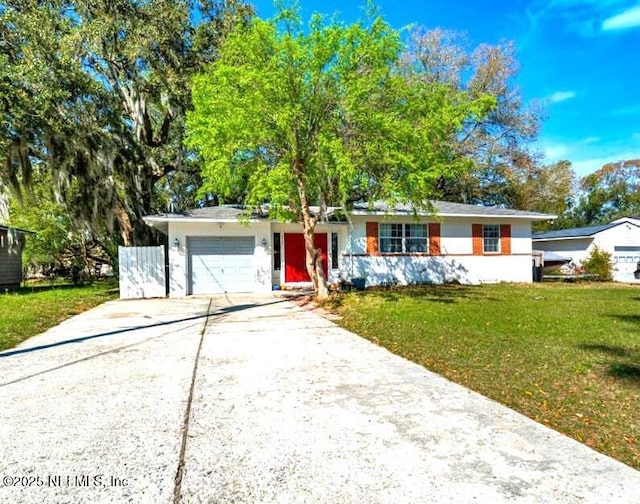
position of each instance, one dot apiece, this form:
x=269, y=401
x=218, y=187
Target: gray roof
x=446, y=208
x=222, y=212
x=235, y=212
x=583, y=232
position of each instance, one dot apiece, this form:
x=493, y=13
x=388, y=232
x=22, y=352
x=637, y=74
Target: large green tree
x=499, y=144
x=611, y=192
x=297, y=117
x=97, y=93
x=58, y=242
x=542, y=188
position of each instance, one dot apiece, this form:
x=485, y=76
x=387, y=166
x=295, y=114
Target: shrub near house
x=599, y=263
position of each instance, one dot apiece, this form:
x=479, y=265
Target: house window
x=415, y=238
x=390, y=238
x=334, y=251
x=403, y=238
x=491, y=238
x=277, y=252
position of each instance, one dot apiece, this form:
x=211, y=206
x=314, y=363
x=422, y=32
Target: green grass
x=34, y=309
x=567, y=356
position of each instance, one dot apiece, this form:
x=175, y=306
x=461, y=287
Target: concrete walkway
x=247, y=399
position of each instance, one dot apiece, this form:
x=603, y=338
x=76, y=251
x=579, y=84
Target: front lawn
x=565, y=355
x=32, y=310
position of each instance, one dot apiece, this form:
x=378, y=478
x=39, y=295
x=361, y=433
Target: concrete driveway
x=253, y=399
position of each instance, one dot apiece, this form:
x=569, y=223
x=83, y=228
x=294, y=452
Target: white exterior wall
x=628, y=219
x=624, y=235
x=178, y=257
x=456, y=262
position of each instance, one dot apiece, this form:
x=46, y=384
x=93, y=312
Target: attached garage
x=219, y=264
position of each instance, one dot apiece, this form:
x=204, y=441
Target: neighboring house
x=11, y=243
x=211, y=251
x=621, y=238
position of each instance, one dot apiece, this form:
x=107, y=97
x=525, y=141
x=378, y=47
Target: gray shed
x=11, y=244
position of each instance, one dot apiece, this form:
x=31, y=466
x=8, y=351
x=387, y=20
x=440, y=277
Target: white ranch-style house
x=211, y=250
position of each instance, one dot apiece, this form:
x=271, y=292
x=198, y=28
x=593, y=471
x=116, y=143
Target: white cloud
x=585, y=166
x=627, y=19
x=587, y=18
x=560, y=96
x=627, y=111
x=590, y=153
x=556, y=152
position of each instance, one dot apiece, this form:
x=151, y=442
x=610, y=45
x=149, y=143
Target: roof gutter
x=582, y=237
x=534, y=217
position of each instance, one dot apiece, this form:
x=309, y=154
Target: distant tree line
x=113, y=110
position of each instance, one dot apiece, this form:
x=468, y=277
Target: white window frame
x=399, y=236
x=494, y=238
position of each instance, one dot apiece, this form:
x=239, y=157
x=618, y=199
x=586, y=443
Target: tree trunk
x=314, y=262
x=322, y=292
x=313, y=255
x=126, y=229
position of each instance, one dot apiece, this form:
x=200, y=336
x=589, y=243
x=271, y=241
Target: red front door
x=295, y=268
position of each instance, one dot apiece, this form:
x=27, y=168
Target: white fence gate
x=142, y=272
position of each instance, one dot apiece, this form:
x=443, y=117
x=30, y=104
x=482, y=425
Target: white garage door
x=625, y=262
x=221, y=264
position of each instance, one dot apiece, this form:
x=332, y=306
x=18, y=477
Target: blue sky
x=581, y=58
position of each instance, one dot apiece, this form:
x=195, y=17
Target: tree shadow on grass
x=449, y=293
x=626, y=366
x=626, y=371
x=635, y=319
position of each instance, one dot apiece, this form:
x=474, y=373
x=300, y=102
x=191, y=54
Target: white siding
x=457, y=262
x=404, y=270
x=141, y=272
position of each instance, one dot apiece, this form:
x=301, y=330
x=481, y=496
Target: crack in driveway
x=187, y=414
